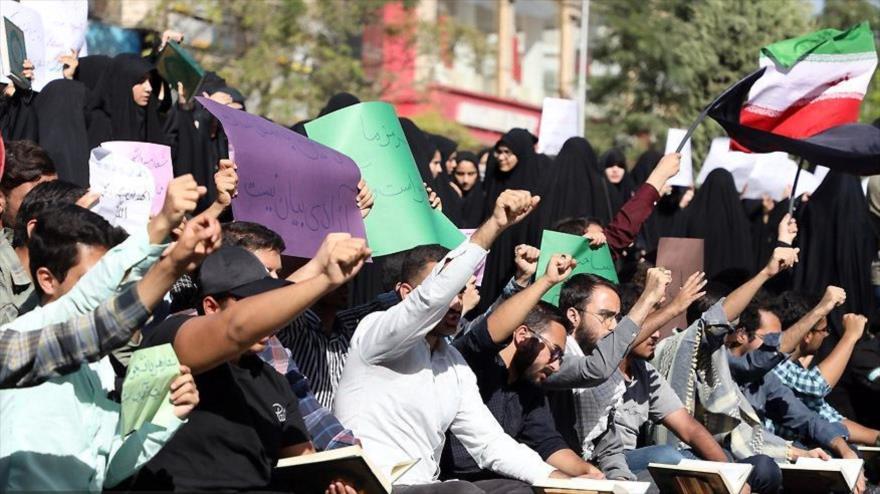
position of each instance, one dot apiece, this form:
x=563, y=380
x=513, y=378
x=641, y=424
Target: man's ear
x=210, y=305
x=574, y=317
x=404, y=289
x=31, y=224
x=47, y=281
x=520, y=335
x=742, y=337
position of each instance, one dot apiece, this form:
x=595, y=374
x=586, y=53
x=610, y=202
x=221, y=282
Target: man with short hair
x=772, y=400
x=26, y=166
x=511, y=352
x=404, y=386
x=812, y=383
x=242, y=307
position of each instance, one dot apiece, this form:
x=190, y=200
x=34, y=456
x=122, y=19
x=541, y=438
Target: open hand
x=184, y=393
x=596, y=238
x=692, y=290
x=433, y=198
x=340, y=487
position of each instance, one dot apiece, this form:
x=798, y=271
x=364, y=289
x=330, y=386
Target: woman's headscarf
x=445, y=145
x=644, y=166
x=578, y=188
x=62, y=127
x=524, y=176
x=836, y=243
x=471, y=200
x=716, y=215
x=113, y=114
x=423, y=152
x=337, y=102
x=620, y=192
x=90, y=69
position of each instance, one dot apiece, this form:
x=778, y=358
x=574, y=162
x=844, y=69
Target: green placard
x=370, y=134
x=596, y=261
x=146, y=396
x=176, y=65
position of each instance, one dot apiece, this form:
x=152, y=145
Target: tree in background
x=667, y=59
x=287, y=56
x=841, y=14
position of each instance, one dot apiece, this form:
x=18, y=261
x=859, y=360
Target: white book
x=815, y=475
x=698, y=476
x=313, y=473
x=576, y=486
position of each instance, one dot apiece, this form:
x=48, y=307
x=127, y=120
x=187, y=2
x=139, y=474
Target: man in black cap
x=249, y=417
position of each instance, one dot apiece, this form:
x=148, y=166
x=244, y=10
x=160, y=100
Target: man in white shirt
x=404, y=386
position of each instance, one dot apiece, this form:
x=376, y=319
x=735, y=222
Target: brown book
x=313, y=473
x=815, y=476
x=589, y=486
x=700, y=477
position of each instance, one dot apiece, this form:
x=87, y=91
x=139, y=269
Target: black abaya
x=577, y=188
x=716, y=215
x=835, y=238
x=62, y=128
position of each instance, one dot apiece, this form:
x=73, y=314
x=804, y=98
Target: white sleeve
x=387, y=335
x=486, y=441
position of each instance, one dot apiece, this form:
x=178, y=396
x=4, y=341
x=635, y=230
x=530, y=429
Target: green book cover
x=14, y=53
x=176, y=65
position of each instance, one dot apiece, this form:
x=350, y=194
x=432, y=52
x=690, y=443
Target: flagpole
x=797, y=175
x=705, y=112
x=582, y=66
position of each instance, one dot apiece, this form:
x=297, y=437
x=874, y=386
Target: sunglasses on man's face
x=556, y=353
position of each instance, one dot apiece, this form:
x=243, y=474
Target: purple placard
x=157, y=159
x=295, y=186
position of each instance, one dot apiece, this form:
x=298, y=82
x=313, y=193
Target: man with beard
x=511, y=352
x=404, y=386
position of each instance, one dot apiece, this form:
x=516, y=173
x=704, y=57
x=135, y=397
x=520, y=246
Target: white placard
x=65, y=23
x=773, y=173
x=559, y=122
x=685, y=175
x=31, y=24
x=739, y=164
x=126, y=189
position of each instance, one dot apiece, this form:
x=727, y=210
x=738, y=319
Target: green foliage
x=670, y=58
x=842, y=14
x=289, y=56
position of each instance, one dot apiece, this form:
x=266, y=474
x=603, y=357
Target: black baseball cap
x=235, y=271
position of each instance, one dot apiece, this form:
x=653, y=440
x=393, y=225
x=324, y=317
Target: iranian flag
x=805, y=100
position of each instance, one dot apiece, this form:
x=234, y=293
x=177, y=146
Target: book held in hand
x=176, y=65
x=815, y=476
x=312, y=474
x=589, y=486
x=13, y=52
x=700, y=477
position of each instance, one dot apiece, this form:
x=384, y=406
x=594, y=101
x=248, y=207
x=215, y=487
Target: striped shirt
x=31, y=357
x=322, y=356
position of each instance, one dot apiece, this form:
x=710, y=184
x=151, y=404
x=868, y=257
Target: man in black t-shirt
x=249, y=417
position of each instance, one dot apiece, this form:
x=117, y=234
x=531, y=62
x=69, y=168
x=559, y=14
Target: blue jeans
x=638, y=459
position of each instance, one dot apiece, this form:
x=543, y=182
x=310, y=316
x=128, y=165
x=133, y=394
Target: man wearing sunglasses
x=511, y=352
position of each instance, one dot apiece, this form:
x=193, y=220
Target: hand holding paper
x=589, y=260
x=146, y=391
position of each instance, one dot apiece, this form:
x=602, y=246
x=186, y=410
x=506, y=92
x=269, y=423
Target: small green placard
x=596, y=261
x=146, y=394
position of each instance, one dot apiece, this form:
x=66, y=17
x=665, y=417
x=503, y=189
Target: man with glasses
x=812, y=383
x=512, y=351
x=773, y=400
